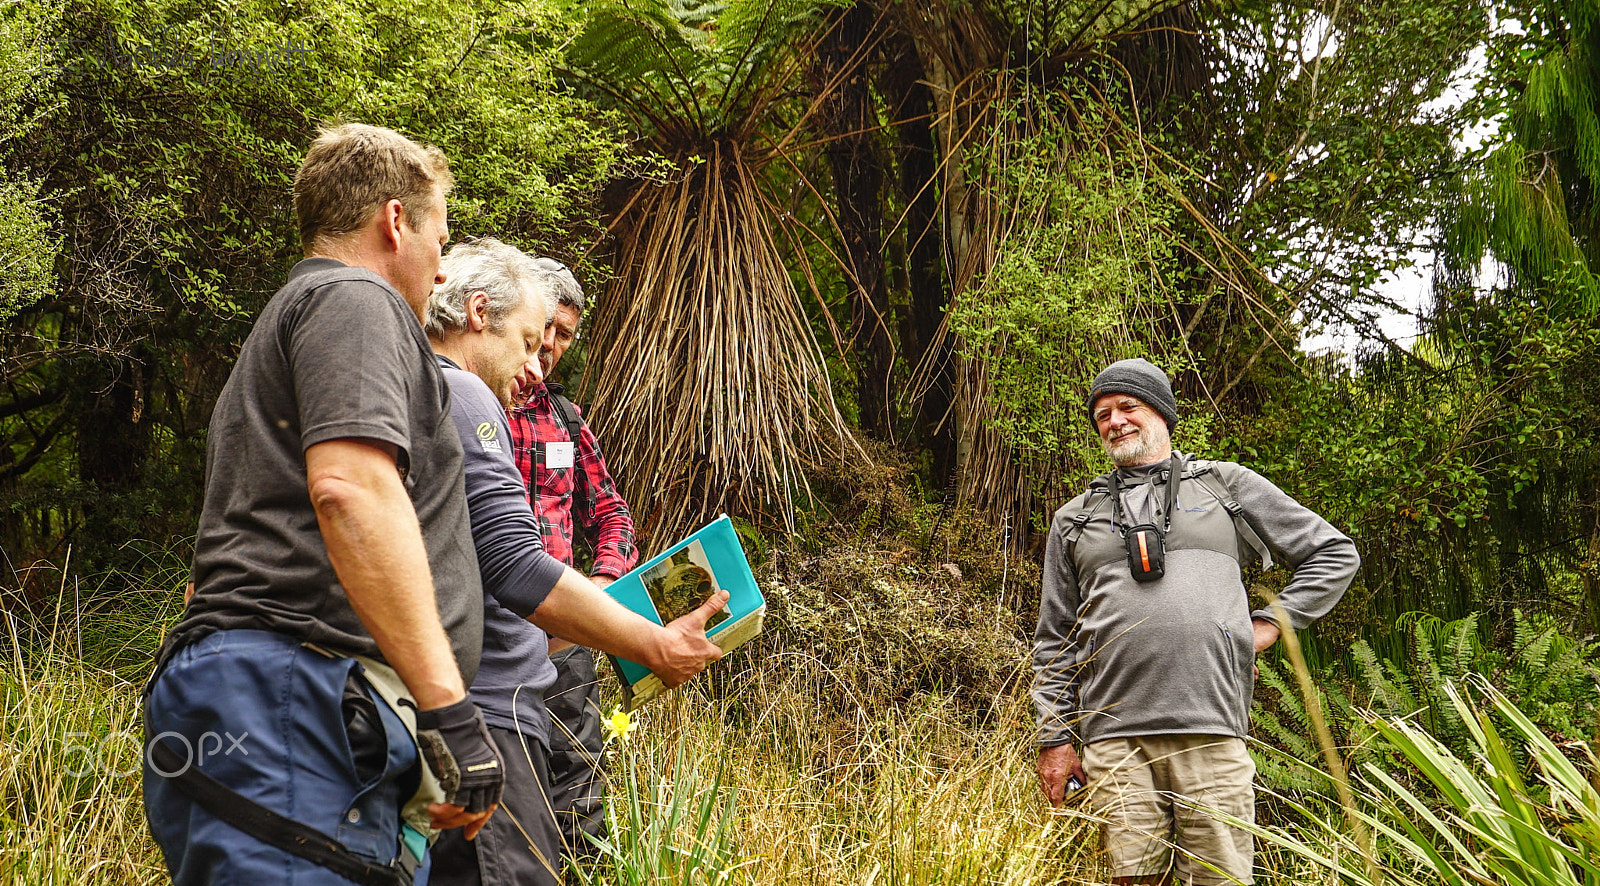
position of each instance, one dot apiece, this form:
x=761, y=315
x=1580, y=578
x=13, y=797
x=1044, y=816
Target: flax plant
x=672, y=827
x=1494, y=824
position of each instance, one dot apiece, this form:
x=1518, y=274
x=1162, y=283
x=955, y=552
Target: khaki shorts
x=1153, y=792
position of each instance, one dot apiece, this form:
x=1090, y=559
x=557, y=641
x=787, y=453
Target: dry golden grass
x=70, y=808
x=823, y=791
x=826, y=791
x=798, y=770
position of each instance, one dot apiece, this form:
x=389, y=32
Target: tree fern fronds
x=694, y=70
x=713, y=394
x=1465, y=648
x=1389, y=687
x=1086, y=21
x=1289, y=738
x=1534, y=638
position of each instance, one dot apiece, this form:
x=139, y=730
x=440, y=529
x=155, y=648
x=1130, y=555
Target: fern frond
x=1087, y=21
x=642, y=53
x=690, y=70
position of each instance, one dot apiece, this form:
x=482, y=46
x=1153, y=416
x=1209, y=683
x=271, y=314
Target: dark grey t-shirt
x=337, y=353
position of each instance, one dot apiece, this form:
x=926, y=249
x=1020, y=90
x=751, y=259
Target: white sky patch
x=1409, y=288
x=1319, y=39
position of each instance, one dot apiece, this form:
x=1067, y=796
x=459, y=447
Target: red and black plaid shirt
x=607, y=524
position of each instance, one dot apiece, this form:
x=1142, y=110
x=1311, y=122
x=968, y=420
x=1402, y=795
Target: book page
x=682, y=582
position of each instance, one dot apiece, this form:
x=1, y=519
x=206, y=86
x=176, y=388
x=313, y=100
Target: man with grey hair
x=486, y=323
x=567, y=481
x=1146, y=645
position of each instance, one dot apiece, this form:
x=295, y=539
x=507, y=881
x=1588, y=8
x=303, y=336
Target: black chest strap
x=293, y=837
x=1224, y=496
x=568, y=413
x=1079, y=521
x=1101, y=489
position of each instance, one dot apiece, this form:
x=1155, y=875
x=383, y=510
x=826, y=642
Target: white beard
x=1135, y=450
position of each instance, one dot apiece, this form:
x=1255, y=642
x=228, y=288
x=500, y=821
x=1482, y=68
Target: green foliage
x=1531, y=203
x=165, y=147
x=1550, y=676
x=27, y=245
x=676, y=828
x=1493, y=821
x=690, y=68
x=1458, y=468
x=476, y=82
x=1078, y=275
x=1319, y=143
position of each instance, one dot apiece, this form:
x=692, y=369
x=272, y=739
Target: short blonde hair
x=353, y=169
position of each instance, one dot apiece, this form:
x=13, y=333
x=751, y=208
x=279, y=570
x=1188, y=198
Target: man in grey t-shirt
x=334, y=525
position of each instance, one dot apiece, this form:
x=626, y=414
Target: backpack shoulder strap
x=1211, y=478
x=1099, y=494
x=568, y=413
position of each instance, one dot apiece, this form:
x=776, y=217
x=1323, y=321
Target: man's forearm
x=375, y=546
x=1323, y=558
x=577, y=611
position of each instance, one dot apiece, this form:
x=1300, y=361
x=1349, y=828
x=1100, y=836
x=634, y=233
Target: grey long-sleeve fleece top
x=1116, y=658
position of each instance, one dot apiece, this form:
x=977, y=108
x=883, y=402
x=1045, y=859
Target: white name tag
x=558, y=455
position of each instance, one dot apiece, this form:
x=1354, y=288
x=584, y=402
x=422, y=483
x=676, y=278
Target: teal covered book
x=673, y=583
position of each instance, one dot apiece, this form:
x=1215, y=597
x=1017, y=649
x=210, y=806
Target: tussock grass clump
x=70, y=800
x=73, y=655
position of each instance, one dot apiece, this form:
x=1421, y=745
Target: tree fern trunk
x=922, y=340
x=848, y=120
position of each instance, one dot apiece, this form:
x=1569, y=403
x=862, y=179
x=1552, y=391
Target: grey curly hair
x=490, y=266
x=563, y=288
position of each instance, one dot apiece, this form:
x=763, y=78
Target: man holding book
x=570, y=487
x=1146, y=644
x=486, y=324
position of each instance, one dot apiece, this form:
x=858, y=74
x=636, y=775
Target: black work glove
x=457, y=747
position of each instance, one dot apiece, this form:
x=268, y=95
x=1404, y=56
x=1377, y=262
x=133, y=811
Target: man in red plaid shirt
x=567, y=482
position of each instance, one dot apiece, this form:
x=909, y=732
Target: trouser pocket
x=384, y=768
x=363, y=729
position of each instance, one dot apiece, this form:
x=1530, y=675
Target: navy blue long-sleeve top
x=517, y=573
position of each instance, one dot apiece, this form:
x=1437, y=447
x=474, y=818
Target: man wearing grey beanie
x=1146, y=644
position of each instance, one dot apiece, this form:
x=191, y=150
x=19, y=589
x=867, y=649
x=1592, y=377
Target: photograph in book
x=680, y=583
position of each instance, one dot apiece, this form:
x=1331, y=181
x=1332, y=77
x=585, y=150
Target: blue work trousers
x=293, y=729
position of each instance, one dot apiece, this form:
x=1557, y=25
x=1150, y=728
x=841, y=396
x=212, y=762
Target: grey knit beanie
x=1142, y=379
